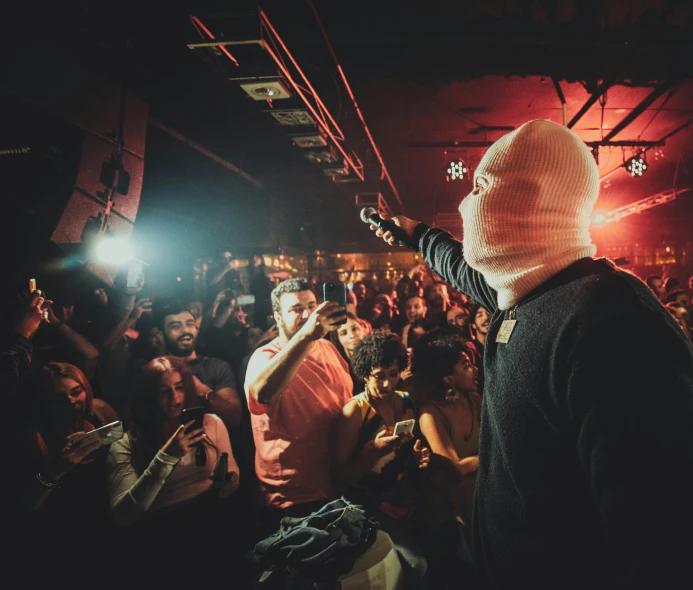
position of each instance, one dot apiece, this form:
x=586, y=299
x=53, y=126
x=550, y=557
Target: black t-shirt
x=214, y=373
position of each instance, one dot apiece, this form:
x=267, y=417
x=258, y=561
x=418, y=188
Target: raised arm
x=127, y=322
x=265, y=385
x=83, y=347
x=445, y=256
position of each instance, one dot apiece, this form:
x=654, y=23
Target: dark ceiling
x=435, y=81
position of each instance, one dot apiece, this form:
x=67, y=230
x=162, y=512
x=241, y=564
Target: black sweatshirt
x=586, y=449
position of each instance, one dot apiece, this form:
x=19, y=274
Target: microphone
x=370, y=215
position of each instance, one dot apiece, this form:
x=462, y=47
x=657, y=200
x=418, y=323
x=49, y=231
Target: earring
x=451, y=393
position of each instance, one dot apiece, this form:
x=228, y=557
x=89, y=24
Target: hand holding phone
x=405, y=427
x=77, y=449
x=195, y=414
x=245, y=300
x=336, y=291
x=105, y=435
x=182, y=441
x=382, y=444
x=80, y=445
x=35, y=311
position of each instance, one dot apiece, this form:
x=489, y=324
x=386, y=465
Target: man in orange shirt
x=296, y=386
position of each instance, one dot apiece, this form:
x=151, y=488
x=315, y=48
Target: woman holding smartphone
x=53, y=476
x=378, y=467
x=161, y=463
x=63, y=410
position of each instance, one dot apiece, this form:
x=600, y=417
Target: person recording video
x=163, y=462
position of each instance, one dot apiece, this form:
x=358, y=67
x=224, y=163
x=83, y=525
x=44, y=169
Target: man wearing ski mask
x=586, y=449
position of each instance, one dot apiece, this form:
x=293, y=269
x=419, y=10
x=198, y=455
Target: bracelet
x=48, y=484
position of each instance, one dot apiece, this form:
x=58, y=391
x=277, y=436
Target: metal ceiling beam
x=594, y=97
x=450, y=144
x=642, y=205
x=484, y=144
x=662, y=140
x=638, y=110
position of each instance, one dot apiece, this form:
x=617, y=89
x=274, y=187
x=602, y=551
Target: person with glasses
x=378, y=468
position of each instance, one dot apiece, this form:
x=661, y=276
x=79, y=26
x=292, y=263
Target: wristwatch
x=210, y=395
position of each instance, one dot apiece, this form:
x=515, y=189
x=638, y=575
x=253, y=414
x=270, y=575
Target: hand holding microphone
x=398, y=229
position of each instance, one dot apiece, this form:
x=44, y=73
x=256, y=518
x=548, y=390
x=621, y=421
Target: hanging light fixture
x=637, y=165
x=456, y=170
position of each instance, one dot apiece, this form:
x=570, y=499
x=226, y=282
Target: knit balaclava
x=528, y=216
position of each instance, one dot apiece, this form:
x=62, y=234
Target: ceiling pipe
x=333, y=131
x=376, y=150
x=661, y=141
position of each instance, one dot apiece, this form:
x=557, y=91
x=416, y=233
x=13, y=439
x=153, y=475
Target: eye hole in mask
x=480, y=184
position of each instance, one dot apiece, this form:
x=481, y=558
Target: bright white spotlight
x=456, y=170
x=112, y=250
x=599, y=218
x=636, y=166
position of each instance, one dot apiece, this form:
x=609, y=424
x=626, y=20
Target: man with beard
x=296, y=386
x=216, y=380
x=586, y=447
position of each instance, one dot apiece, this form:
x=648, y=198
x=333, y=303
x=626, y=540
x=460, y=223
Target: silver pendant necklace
x=507, y=327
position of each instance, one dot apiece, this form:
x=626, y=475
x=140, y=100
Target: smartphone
x=106, y=434
x=404, y=427
x=336, y=291
x=32, y=286
x=197, y=414
x=245, y=300
x=134, y=272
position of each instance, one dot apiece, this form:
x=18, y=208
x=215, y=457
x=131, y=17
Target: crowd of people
x=232, y=419
x=302, y=412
